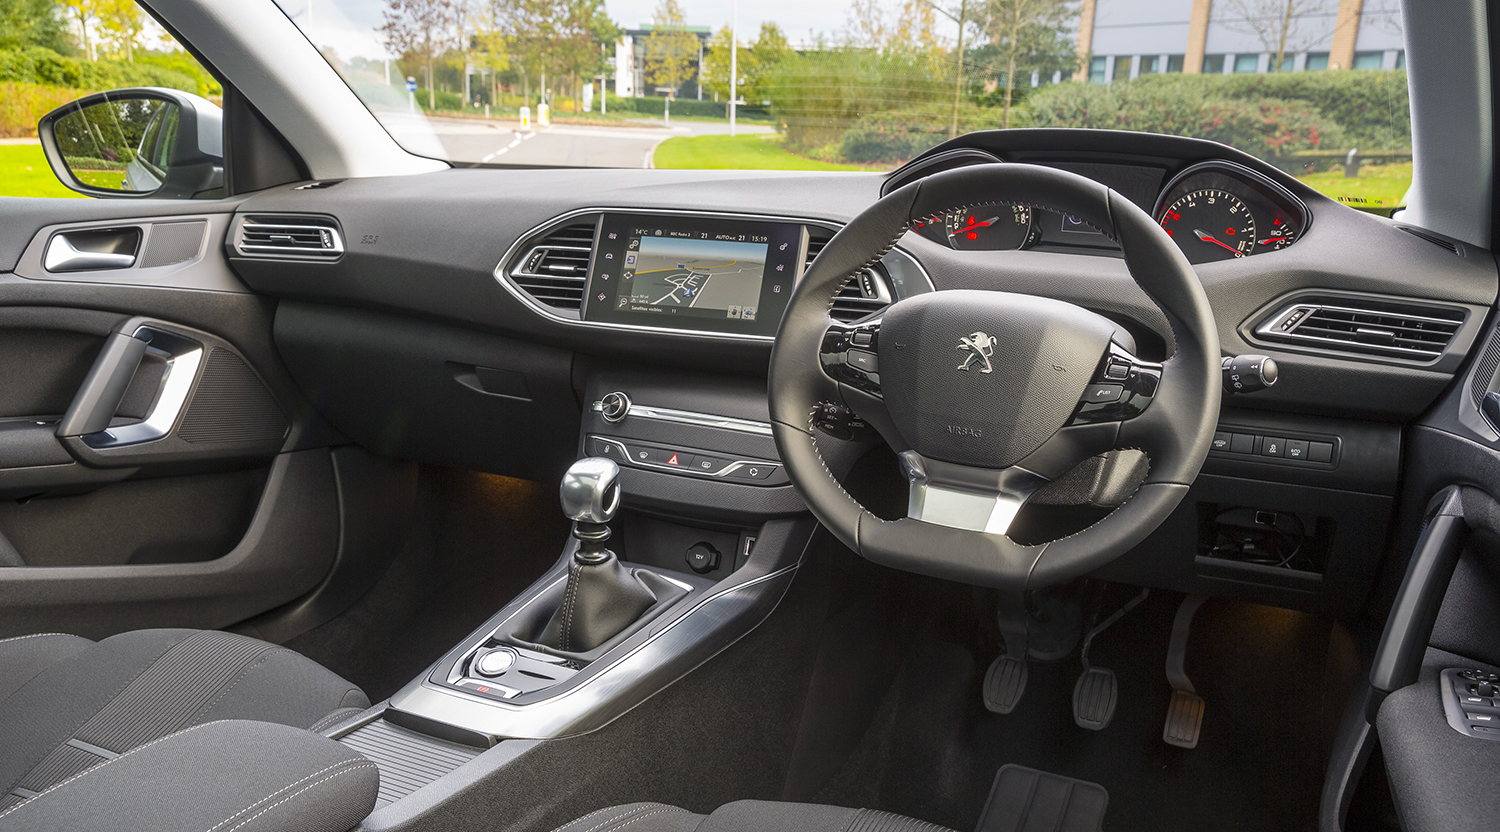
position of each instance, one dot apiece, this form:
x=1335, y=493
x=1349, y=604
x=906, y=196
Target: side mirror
x=144, y=142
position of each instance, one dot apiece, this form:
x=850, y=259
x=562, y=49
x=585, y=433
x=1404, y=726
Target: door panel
x=230, y=508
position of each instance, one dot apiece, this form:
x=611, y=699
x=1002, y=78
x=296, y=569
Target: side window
x=53, y=52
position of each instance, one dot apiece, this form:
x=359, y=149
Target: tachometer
x=1210, y=224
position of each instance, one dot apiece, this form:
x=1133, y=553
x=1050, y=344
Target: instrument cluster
x=1213, y=211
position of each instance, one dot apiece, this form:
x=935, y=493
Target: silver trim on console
x=689, y=417
x=529, y=238
x=604, y=695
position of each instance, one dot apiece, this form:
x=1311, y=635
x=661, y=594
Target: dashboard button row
x=1276, y=447
x=684, y=460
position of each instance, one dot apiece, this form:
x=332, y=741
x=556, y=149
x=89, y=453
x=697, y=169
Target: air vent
x=299, y=238
x=862, y=295
x=556, y=268
x=1366, y=326
x=1433, y=238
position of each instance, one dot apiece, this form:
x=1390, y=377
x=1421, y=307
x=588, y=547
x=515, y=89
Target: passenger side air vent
x=556, y=268
x=289, y=237
x=1366, y=326
x=862, y=295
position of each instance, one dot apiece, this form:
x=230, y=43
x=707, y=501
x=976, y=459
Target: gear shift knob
x=591, y=490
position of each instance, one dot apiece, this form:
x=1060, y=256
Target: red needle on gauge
x=1209, y=238
x=1270, y=240
x=973, y=224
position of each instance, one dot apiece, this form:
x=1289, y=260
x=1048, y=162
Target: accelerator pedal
x=1185, y=711
x=1004, y=684
x=1026, y=800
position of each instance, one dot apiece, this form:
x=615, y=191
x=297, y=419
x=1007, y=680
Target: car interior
x=342, y=487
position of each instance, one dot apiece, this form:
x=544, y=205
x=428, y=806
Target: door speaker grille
x=231, y=405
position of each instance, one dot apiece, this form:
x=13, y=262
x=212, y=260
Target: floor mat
x=933, y=749
x=478, y=541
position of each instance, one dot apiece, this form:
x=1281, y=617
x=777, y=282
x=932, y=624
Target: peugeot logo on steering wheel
x=980, y=346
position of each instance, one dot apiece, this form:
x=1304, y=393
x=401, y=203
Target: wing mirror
x=143, y=142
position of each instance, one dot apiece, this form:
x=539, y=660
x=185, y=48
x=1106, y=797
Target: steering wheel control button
x=1117, y=369
x=495, y=663
x=702, y=558
x=863, y=361
x=1273, y=446
x=862, y=338
x=614, y=407
x=1103, y=393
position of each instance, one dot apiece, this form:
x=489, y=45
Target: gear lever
x=602, y=597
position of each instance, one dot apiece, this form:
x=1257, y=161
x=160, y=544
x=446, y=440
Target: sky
x=349, y=25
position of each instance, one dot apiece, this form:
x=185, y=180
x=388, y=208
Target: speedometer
x=1210, y=224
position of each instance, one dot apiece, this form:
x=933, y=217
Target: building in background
x=1119, y=39
x=630, y=64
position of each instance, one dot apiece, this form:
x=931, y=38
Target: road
x=571, y=145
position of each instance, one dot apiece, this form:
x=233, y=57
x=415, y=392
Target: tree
x=1029, y=35
x=1280, y=25
x=670, y=48
x=31, y=23
x=423, y=28
x=961, y=17
x=756, y=61
x=122, y=23
x=911, y=29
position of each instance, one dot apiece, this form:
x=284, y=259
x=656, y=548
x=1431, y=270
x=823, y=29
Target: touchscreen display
x=694, y=273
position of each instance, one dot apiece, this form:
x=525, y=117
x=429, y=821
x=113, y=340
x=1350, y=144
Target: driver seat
x=746, y=816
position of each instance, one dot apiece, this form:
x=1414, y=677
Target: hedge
x=36, y=65
x=23, y=105
x=898, y=135
x=656, y=105
x=1263, y=127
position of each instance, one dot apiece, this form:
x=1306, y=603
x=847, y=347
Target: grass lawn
x=758, y=151
x=1377, y=186
x=24, y=172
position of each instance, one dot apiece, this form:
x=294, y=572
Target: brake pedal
x=1004, y=684
x=1094, y=697
x=1185, y=711
x=1097, y=690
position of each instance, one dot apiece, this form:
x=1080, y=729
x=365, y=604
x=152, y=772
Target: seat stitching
x=591, y=814
x=35, y=635
x=608, y=821
x=334, y=718
x=102, y=765
x=359, y=766
x=262, y=659
x=661, y=811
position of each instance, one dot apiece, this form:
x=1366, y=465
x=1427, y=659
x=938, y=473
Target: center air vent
x=862, y=295
x=555, y=269
x=1366, y=326
x=289, y=237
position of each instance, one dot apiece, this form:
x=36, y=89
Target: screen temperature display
x=691, y=273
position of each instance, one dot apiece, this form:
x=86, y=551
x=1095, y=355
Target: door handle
x=104, y=387
x=105, y=248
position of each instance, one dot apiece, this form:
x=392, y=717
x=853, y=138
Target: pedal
x=1026, y=800
x=1185, y=712
x=1184, y=720
x=1004, y=684
x=1095, y=695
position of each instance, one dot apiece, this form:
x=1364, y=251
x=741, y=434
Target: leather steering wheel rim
x=1175, y=431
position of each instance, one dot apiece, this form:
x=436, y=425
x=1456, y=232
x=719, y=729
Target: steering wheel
x=989, y=396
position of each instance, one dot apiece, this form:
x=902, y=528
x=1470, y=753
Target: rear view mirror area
x=146, y=142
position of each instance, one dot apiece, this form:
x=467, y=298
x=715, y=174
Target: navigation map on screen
x=703, y=275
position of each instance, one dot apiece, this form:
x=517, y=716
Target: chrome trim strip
x=689, y=417
x=975, y=499
x=722, y=472
x=614, y=689
x=62, y=256
x=530, y=237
